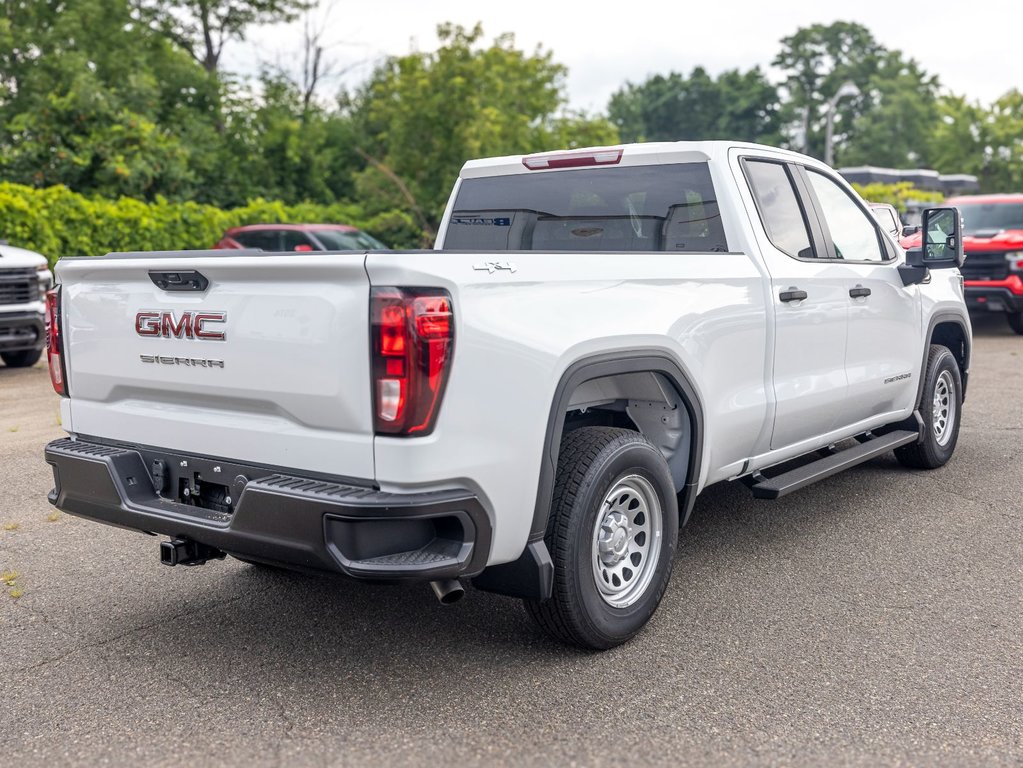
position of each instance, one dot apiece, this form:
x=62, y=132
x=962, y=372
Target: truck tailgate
x=288, y=385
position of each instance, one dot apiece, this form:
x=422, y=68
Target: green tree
x=900, y=112
x=817, y=60
x=204, y=27
x=422, y=115
x=984, y=141
x=737, y=105
x=97, y=110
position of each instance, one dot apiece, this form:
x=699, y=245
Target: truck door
x=883, y=351
x=810, y=303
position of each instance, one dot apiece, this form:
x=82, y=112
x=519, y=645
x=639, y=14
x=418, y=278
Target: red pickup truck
x=993, y=244
x=993, y=241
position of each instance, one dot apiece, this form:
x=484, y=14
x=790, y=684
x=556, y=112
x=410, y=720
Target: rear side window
x=626, y=208
x=339, y=240
x=263, y=239
x=779, y=208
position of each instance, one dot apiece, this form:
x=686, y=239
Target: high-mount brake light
x=573, y=159
x=54, y=346
x=412, y=336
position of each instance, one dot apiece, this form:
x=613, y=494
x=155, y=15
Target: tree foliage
x=816, y=61
x=736, y=105
x=122, y=99
x=204, y=27
x=421, y=116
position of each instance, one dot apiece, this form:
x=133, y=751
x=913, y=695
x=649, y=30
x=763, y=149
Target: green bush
x=896, y=194
x=58, y=222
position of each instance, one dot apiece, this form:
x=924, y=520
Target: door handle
x=859, y=292
x=792, y=295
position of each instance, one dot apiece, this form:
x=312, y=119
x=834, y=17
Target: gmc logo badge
x=191, y=325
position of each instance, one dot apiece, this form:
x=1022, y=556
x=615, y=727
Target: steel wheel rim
x=943, y=413
x=626, y=542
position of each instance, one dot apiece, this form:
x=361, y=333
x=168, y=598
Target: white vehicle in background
x=25, y=277
x=888, y=218
x=535, y=404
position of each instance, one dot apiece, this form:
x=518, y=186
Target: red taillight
x=412, y=336
x=54, y=348
x=573, y=159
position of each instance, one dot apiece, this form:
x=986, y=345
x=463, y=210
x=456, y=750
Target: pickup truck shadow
x=313, y=651
x=304, y=626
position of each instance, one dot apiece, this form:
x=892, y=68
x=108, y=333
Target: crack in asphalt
x=114, y=639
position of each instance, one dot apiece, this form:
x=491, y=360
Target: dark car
x=300, y=237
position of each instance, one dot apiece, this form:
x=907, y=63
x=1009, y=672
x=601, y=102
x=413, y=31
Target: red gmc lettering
x=201, y=318
x=191, y=325
x=147, y=323
x=183, y=328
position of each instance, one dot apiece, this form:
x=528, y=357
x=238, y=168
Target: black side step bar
x=808, y=474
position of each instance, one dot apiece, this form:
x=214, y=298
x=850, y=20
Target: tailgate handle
x=180, y=281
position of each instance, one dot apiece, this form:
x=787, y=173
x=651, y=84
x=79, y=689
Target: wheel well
x=951, y=335
x=644, y=401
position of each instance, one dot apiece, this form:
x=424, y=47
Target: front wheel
x=611, y=535
x=24, y=359
x=1016, y=321
x=941, y=406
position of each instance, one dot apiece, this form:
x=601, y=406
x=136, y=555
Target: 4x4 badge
x=493, y=266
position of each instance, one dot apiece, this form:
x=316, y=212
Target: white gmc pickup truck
x=535, y=404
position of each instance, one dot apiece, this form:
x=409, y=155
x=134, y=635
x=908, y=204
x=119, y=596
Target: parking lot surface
x=876, y=617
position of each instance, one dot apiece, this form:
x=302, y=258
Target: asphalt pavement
x=875, y=618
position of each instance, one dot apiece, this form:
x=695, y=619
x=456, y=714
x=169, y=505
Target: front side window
x=779, y=207
x=625, y=208
x=852, y=231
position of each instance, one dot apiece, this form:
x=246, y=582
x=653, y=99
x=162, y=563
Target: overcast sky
x=974, y=46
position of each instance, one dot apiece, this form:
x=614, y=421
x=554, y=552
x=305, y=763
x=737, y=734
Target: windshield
x=990, y=217
x=626, y=208
x=336, y=240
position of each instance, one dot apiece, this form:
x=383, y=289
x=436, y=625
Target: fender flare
x=946, y=317
x=609, y=364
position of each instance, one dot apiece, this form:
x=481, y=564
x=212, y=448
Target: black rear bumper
x=261, y=514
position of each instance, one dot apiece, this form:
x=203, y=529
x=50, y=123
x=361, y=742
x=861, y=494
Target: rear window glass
x=625, y=208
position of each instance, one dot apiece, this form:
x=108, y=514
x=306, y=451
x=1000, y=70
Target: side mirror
x=304, y=247
x=942, y=246
x=908, y=231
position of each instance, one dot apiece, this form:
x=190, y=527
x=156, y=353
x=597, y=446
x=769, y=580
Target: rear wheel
x=941, y=406
x=23, y=359
x=1016, y=321
x=611, y=535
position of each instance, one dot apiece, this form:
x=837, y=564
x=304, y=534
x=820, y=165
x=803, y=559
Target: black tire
x=593, y=462
x=23, y=359
x=939, y=444
x=1015, y=321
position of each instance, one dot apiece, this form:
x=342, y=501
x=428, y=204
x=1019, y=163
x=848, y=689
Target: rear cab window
x=670, y=207
x=780, y=210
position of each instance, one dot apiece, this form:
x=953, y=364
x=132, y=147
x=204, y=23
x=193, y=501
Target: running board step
x=808, y=474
